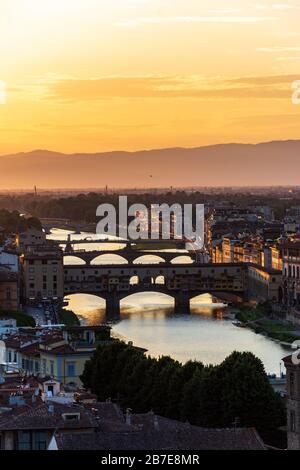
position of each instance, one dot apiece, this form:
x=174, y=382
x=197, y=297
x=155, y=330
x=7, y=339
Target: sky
x=100, y=75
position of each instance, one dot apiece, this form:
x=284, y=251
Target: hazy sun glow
x=92, y=75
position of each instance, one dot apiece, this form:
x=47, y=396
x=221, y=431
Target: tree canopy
x=209, y=396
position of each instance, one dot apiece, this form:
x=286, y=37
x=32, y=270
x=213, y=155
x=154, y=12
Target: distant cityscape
x=250, y=262
x=149, y=232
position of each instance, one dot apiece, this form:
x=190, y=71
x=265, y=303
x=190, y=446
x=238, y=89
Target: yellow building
x=276, y=254
x=61, y=355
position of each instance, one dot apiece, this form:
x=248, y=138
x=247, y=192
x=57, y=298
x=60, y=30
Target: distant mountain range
x=264, y=164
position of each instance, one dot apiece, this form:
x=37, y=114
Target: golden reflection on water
x=91, y=309
x=206, y=334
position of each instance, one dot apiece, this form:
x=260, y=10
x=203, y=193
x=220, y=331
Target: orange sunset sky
x=97, y=75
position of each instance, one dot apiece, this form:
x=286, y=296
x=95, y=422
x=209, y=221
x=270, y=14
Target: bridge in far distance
x=131, y=256
x=66, y=224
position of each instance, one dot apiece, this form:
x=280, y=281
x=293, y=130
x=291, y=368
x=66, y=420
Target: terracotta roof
x=166, y=434
x=38, y=416
x=63, y=349
x=31, y=350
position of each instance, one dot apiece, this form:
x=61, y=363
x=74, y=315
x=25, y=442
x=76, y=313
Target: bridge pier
x=182, y=303
x=113, y=309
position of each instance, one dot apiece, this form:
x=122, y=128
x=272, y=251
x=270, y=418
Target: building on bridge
x=236, y=281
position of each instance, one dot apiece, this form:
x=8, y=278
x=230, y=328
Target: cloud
x=292, y=58
x=279, y=49
x=169, y=87
x=282, y=6
x=274, y=6
x=192, y=19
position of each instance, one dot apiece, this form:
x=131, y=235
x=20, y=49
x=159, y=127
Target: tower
x=292, y=364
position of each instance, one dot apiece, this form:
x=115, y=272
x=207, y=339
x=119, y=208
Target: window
x=71, y=416
x=292, y=421
x=71, y=369
x=24, y=440
x=40, y=440
x=8, y=293
x=52, y=368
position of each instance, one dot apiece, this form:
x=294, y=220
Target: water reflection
x=207, y=334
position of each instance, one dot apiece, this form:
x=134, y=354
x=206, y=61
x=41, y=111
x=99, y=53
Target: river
x=206, y=334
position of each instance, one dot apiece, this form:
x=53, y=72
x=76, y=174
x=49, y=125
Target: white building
x=8, y=326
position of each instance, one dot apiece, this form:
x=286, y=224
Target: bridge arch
x=149, y=259
x=108, y=259
x=74, y=260
x=84, y=299
x=89, y=307
x=160, y=280
x=162, y=297
x=134, y=280
x=182, y=259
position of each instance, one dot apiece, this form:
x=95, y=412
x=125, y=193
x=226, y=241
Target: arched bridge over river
x=182, y=282
x=130, y=256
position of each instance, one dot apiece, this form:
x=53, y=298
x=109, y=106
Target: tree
x=211, y=396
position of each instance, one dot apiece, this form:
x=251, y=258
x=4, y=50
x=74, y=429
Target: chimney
x=128, y=416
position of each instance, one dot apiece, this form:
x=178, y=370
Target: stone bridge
x=66, y=224
x=129, y=255
x=182, y=282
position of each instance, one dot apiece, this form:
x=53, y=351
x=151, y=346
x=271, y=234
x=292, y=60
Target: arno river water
x=146, y=319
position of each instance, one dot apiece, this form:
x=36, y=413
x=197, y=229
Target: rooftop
x=42, y=416
x=151, y=432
